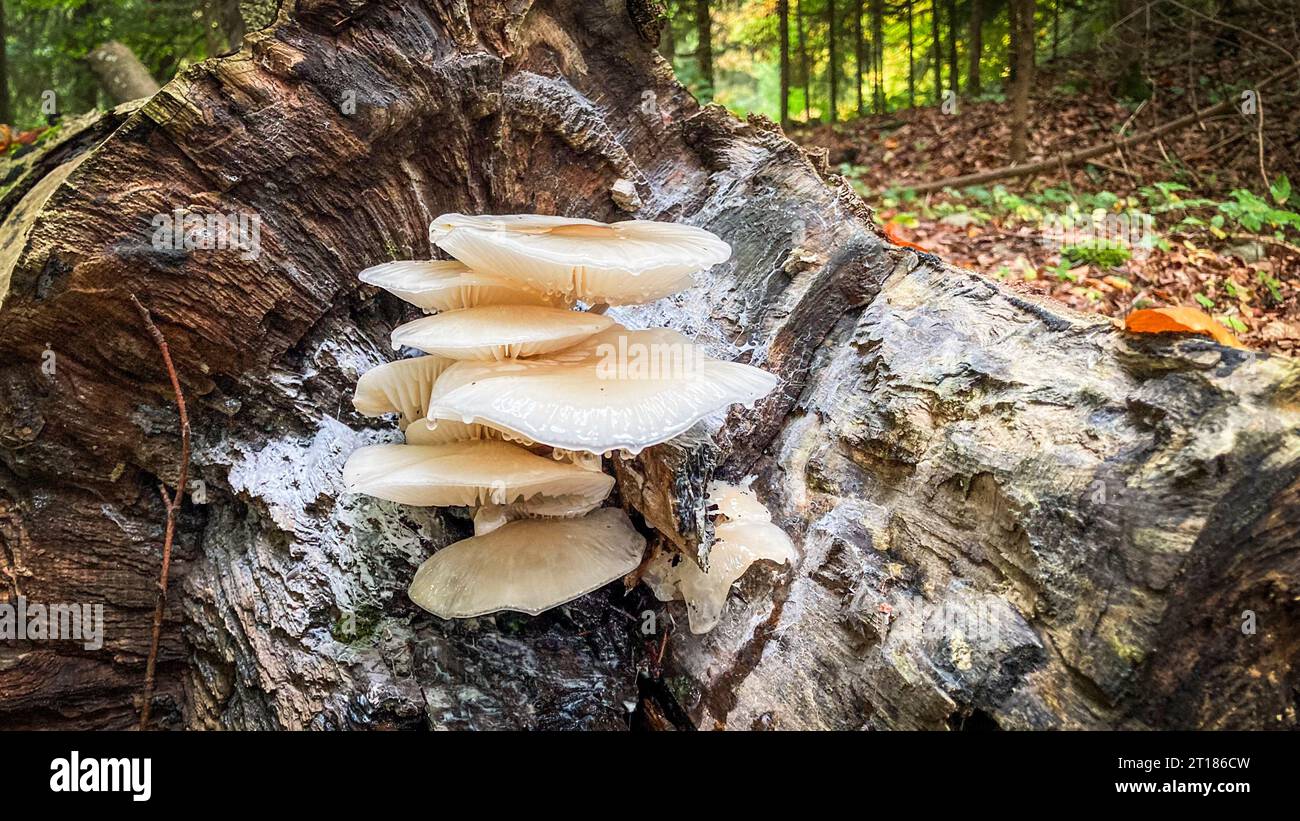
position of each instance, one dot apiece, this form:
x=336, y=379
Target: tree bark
x=1022, y=53
x=120, y=73
x=1006, y=513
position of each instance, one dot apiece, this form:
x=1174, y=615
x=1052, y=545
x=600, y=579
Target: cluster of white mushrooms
x=519, y=395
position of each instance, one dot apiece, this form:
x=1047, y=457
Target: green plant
x=1100, y=253
x=1256, y=214
x=1272, y=284
x=1280, y=190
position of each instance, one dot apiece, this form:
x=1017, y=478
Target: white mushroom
x=401, y=387
x=603, y=400
x=438, y=285
x=489, y=517
x=528, y=566
x=618, y=263
x=474, y=472
x=499, y=331
x=508, y=363
x=738, y=543
x=445, y=431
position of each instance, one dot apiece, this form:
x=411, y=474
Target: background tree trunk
x=1007, y=514
x=936, y=36
x=667, y=42
x=1022, y=79
x=704, y=44
x=1056, y=27
x=859, y=61
x=878, y=54
x=120, y=73
x=783, y=33
x=1128, y=39
x=974, y=47
x=832, y=61
x=911, y=57
x=954, y=76
x=6, y=110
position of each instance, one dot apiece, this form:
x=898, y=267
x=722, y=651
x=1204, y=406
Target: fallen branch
x=1083, y=154
x=172, y=504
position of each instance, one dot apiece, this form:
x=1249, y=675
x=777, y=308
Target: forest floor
x=1197, y=224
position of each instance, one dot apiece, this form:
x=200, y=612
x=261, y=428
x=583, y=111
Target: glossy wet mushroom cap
x=601, y=401
x=528, y=566
x=615, y=263
x=440, y=285
x=474, y=472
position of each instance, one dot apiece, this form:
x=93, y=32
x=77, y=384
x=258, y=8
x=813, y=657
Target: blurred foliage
x=46, y=43
x=746, y=50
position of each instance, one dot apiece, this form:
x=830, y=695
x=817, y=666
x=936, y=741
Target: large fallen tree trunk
x=1007, y=513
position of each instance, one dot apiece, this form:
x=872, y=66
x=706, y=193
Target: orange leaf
x=1179, y=320
x=891, y=231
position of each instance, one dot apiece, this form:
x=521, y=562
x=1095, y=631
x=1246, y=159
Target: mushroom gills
x=440, y=285
x=528, y=566
x=425, y=431
x=402, y=387
x=474, y=472
x=489, y=517
x=499, y=331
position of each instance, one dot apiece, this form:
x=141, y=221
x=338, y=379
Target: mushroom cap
x=440, y=285
x=401, y=387
x=589, y=403
x=528, y=566
x=618, y=263
x=499, y=331
x=474, y=472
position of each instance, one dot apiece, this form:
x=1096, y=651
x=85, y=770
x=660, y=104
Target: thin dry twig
x=1259, y=135
x=172, y=503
